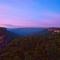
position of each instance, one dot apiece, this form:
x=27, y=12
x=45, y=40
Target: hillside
x=33, y=47
x=5, y=37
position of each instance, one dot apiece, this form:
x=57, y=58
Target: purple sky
x=30, y=13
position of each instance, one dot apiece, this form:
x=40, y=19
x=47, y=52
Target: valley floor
x=46, y=47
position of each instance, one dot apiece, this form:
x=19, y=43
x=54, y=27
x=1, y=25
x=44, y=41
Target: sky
x=30, y=13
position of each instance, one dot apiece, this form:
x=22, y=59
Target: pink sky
x=14, y=16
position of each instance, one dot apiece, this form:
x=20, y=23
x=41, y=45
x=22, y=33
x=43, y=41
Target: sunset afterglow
x=30, y=13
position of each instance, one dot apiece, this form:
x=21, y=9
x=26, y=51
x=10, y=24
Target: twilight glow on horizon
x=30, y=13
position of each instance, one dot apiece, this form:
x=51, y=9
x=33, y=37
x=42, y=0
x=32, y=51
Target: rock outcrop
x=3, y=34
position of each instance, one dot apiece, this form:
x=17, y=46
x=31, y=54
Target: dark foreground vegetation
x=35, y=47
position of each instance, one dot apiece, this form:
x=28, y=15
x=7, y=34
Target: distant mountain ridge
x=27, y=31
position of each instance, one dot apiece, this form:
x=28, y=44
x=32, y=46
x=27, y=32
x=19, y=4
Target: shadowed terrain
x=31, y=47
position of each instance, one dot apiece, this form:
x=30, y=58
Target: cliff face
x=3, y=34
x=2, y=31
x=5, y=37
